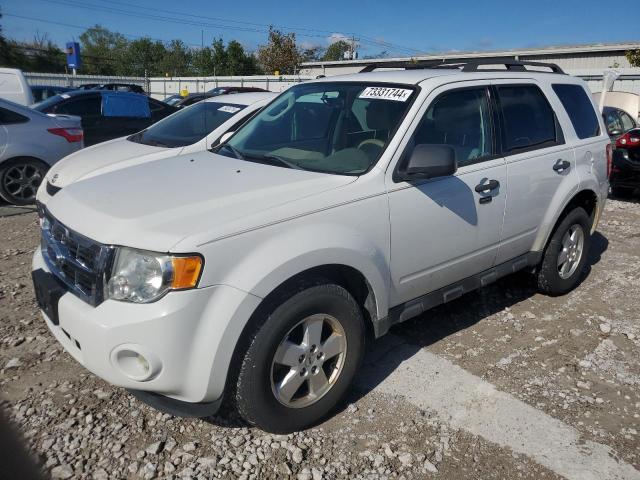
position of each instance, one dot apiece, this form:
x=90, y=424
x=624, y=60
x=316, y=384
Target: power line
x=200, y=23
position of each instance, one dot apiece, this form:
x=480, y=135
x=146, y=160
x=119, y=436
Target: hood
x=156, y=205
x=102, y=157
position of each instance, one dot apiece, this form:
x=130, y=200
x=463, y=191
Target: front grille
x=81, y=263
x=52, y=189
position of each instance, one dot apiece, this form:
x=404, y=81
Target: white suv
x=348, y=204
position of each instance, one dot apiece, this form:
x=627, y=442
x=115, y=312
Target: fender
x=271, y=259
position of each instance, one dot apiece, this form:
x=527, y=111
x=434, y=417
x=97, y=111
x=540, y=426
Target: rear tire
x=566, y=254
x=20, y=179
x=302, y=358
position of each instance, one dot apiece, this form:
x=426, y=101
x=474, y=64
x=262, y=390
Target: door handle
x=490, y=186
x=561, y=165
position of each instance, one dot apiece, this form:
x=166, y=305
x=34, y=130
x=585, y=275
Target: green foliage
x=634, y=57
x=336, y=50
x=280, y=53
x=102, y=51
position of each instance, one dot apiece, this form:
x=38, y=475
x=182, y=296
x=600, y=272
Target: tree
x=337, y=50
x=176, y=60
x=202, y=62
x=634, y=57
x=142, y=58
x=102, y=51
x=311, y=54
x=280, y=53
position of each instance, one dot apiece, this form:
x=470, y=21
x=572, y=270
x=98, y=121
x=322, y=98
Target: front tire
x=566, y=253
x=20, y=179
x=302, y=359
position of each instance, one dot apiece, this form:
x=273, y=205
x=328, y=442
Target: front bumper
x=188, y=337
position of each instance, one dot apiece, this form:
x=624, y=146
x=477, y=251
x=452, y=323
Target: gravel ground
x=574, y=359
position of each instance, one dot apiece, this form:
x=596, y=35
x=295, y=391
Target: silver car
x=30, y=142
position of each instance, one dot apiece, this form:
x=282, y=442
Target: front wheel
x=20, y=179
x=302, y=360
x=566, y=254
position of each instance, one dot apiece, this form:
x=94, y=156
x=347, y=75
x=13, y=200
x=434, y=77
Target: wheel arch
x=585, y=198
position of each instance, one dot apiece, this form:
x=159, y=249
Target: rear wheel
x=566, y=254
x=302, y=359
x=20, y=179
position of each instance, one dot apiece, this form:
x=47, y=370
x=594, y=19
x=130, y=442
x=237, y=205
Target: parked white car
x=345, y=206
x=189, y=130
x=30, y=142
x=14, y=86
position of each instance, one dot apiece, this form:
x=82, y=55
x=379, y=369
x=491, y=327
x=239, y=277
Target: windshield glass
x=45, y=104
x=187, y=126
x=331, y=127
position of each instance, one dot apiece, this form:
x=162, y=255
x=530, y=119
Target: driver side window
x=460, y=119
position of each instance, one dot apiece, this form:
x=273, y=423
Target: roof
x=243, y=98
x=413, y=76
x=450, y=55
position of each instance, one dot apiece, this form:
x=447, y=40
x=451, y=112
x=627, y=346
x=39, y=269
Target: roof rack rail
x=471, y=65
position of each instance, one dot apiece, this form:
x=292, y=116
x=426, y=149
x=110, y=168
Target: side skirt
x=415, y=307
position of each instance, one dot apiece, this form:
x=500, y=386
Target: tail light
x=609, y=158
x=72, y=135
x=629, y=139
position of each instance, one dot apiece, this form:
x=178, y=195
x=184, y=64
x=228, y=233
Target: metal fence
x=68, y=80
x=163, y=87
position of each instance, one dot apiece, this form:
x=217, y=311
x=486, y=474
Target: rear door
x=448, y=228
x=88, y=108
x=538, y=161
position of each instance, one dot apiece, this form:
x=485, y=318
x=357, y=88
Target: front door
x=446, y=229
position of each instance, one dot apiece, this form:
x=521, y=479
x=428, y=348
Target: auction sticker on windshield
x=229, y=109
x=386, y=93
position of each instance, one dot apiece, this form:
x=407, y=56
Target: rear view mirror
x=429, y=161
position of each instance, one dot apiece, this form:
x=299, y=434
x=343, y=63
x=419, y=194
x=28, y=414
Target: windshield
x=45, y=104
x=331, y=127
x=187, y=126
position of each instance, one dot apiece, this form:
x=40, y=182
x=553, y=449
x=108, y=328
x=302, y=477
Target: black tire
x=622, y=192
x=255, y=399
x=20, y=179
x=548, y=277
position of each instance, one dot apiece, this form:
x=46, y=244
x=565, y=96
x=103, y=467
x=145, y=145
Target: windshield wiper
x=270, y=158
x=237, y=153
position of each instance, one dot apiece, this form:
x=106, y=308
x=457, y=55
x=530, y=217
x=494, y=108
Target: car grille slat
x=80, y=263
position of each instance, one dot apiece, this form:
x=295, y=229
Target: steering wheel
x=268, y=117
x=371, y=141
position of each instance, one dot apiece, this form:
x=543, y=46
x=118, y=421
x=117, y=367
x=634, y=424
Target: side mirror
x=428, y=161
x=615, y=132
x=224, y=137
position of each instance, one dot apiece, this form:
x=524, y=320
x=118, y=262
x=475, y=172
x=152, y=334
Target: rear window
x=187, y=126
x=579, y=108
x=528, y=119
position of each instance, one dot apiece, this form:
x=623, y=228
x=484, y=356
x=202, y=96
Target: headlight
x=140, y=276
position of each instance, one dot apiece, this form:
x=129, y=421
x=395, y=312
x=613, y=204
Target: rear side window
x=579, y=108
x=528, y=119
x=627, y=121
x=7, y=117
x=82, y=106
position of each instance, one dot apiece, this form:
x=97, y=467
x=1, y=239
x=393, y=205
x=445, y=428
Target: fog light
x=136, y=362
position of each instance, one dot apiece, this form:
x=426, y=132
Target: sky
x=399, y=28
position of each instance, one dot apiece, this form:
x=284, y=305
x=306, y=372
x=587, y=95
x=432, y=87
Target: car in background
x=173, y=99
x=107, y=115
x=118, y=87
x=625, y=135
x=197, y=97
x=14, y=86
x=30, y=142
x=42, y=92
x=193, y=129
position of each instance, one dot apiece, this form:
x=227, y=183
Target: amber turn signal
x=186, y=271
